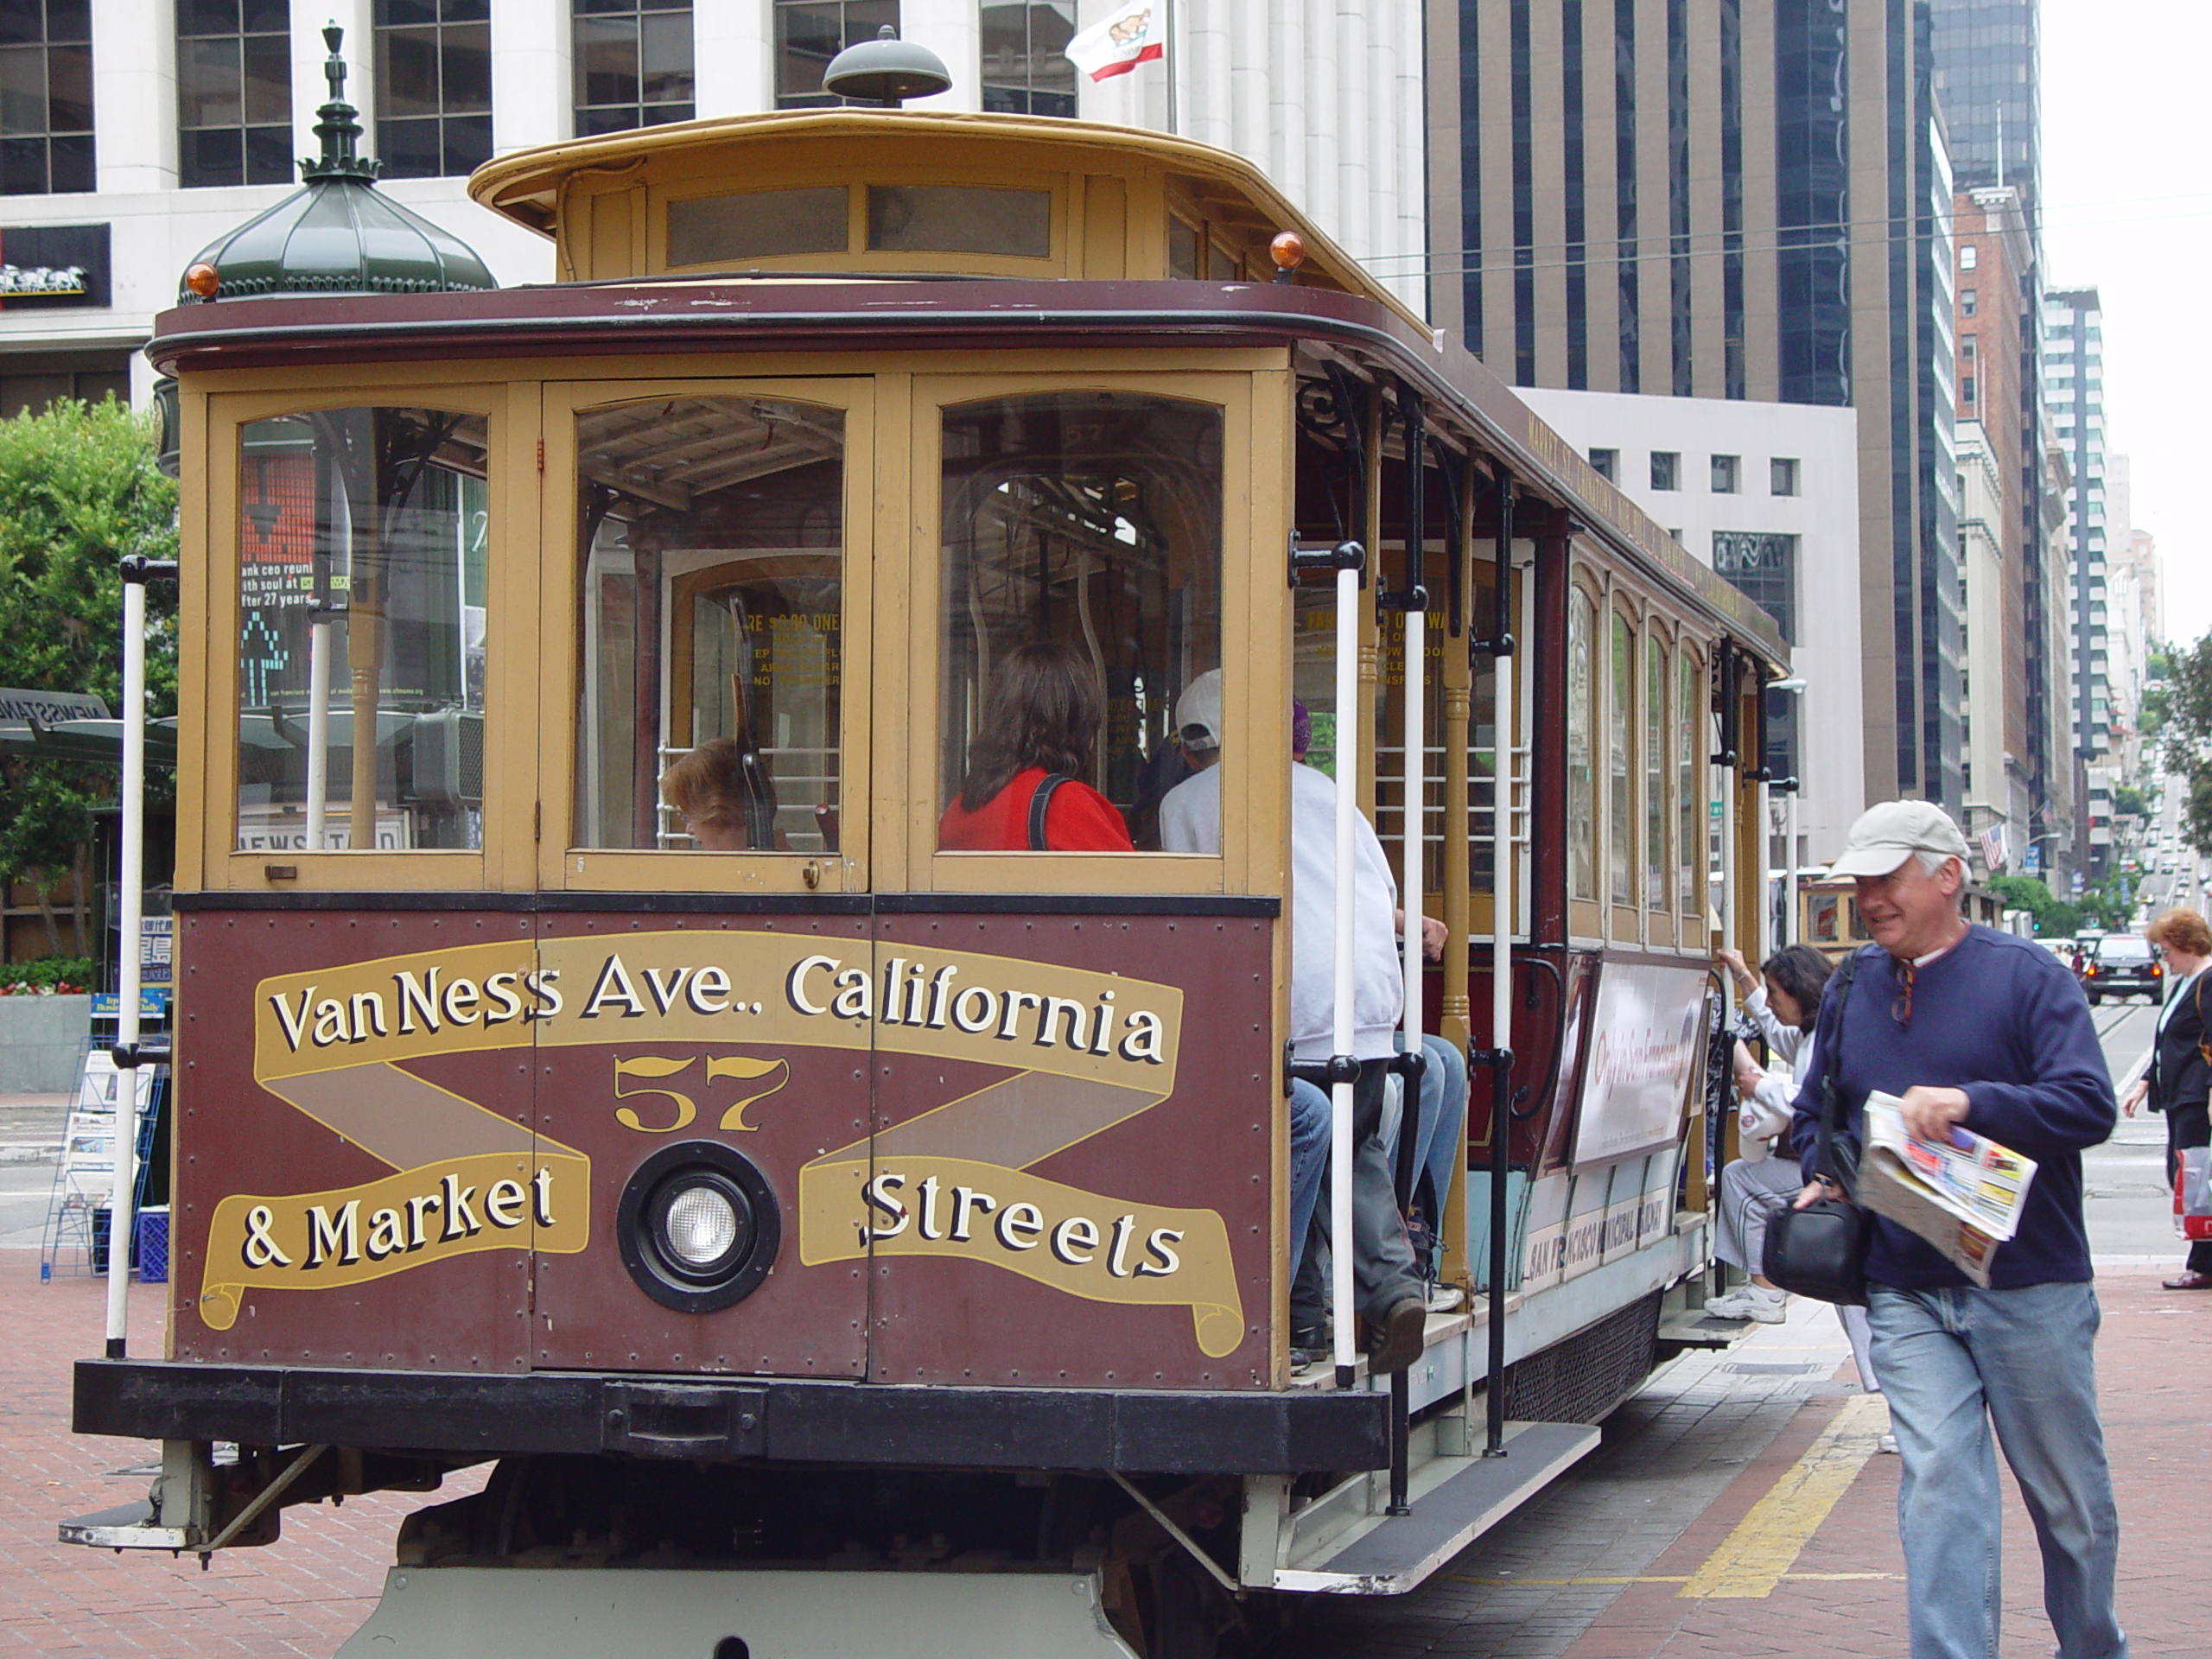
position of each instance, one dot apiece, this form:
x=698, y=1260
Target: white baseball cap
x=1887, y=834
x=1198, y=713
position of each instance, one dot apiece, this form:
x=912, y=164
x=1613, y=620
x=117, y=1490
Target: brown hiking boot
x=1395, y=1341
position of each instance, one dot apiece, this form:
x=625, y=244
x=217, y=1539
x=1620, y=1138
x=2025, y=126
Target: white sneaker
x=1889, y=1443
x=1751, y=1302
x=1445, y=1299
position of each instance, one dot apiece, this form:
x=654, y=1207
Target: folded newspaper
x=1963, y=1195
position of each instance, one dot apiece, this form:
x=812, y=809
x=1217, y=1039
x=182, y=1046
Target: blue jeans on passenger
x=1954, y=1362
x=1309, y=1160
x=1443, y=1112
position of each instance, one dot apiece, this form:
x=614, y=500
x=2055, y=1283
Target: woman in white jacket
x=1756, y=1186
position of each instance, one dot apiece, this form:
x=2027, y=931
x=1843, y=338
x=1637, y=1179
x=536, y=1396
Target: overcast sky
x=2128, y=207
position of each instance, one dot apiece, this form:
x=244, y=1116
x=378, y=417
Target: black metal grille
x=1580, y=1380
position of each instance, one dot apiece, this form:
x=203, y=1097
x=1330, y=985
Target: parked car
x=2122, y=964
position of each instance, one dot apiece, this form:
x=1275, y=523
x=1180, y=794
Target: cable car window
x=1655, y=773
x=759, y=225
x=712, y=589
x=1620, y=728
x=959, y=219
x=1689, y=761
x=1182, y=249
x=361, y=539
x=1581, y=761
x=1081, y=617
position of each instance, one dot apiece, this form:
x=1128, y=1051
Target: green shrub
x=48, y=976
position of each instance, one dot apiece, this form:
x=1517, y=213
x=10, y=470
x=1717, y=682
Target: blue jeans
x=1954, y=1362
x=1309, y=1160
x=1443, y=1110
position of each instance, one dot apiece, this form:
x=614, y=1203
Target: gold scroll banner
x=318, y=1241
x=1102, y=1249
x=1088, y=1050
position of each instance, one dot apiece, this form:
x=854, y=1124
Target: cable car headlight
x=698, y=1226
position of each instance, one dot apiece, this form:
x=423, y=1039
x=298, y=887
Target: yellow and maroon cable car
x=775, y=1212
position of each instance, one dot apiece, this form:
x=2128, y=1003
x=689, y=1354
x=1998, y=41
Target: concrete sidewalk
x=1842, y=1592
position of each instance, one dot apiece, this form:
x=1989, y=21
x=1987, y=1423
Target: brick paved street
x=1594, y=1570
x=303, y=1597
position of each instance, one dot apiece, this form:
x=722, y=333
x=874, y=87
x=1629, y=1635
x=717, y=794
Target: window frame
x=1585, y=913
x=509, y=646
x=563, y=865
x=1254, y=611
x=379, y=35
x=578, y=107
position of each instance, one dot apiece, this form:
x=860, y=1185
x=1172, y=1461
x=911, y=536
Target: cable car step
x=127, y=1526
x=1455, y=1501
x=769, y=1613
x=1706, y=1331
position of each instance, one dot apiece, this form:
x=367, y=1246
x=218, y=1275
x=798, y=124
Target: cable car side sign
x=974, y=1158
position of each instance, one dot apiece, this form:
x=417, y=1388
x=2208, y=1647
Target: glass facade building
x=1744, y=156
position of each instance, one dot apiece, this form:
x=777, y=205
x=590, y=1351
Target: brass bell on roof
x=887, y=70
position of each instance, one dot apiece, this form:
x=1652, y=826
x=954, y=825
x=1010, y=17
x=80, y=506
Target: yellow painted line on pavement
x=1661, y=1578
x=1763, y=1546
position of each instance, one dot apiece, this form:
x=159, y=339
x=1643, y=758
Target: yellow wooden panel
x=1106, y=252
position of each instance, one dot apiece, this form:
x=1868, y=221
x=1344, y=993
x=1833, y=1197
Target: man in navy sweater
x=1971, y=1027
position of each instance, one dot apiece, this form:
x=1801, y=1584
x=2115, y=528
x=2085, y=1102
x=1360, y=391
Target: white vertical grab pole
x=1790, y=863
x=1415, y=819
x=1504, y=885
x=1766, y=867
x=132, y=882
x=1346, y=745
x=318, y=724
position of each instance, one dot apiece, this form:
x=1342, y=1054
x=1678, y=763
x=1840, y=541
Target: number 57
x=769, y=1075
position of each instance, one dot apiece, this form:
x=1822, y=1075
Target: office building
x=2018, y=769
x=1687, y=200
x=2074, y=388
x=1767, y=494
x=146, y=129
x=1988, y=63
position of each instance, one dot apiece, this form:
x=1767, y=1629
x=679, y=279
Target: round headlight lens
x=701, y=1225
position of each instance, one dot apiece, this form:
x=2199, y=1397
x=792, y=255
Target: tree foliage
x=79, y=490
x=2055, y=918
x=2187, y=731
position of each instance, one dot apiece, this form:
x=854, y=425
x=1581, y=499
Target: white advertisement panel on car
x=1643, y=1051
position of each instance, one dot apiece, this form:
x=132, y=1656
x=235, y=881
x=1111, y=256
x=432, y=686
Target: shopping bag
x=2193, y=1194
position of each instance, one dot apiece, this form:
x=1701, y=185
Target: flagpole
x=1174, y=64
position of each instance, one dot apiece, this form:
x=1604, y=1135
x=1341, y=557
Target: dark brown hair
x=1804, y=973
x=1044, y=710
x=2181, y=929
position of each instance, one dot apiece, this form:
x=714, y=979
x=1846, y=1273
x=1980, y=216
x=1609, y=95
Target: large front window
x=1082, y=544
x=1581, y=768
x=361, y=542
x=711, y=578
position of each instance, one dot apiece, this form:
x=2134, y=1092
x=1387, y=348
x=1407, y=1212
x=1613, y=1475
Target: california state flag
x=1135, y=33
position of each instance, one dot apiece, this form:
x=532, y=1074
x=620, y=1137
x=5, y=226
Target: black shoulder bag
x=1821, y=1251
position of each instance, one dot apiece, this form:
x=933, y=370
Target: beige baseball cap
x=1887, y=834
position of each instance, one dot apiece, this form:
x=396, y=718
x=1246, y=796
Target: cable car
x=771, y=1191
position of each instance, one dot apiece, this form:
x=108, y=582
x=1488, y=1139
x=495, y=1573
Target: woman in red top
x=1041, y=722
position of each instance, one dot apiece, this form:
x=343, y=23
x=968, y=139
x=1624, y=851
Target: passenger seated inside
x=1024, y=790
x=721, y=792
x=1195, y=746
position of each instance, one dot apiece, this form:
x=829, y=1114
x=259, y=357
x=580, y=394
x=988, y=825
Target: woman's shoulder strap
x=1040, y=801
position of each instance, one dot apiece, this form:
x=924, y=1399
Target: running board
x=1454, y=1500
x=590, y=1612
x=1705, y=1331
